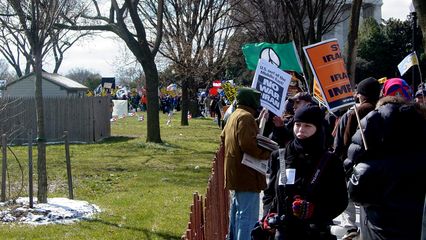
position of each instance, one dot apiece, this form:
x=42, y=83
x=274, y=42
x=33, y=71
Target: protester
x=310, y=191
x=282, y=131
x=244, y=183
x=389, y=176
x=420, y=96
x=218, y=110
x=397, y=87
x=367, y=94
x=301, y=99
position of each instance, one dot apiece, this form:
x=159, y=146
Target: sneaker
x=351, y=234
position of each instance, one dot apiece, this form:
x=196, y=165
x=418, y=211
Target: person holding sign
x=244, y=183
x=282, y=132
x=389, y=176
x=368, y=93
x=306, y=183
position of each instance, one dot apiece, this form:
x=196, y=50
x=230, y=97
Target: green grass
x=144, y=189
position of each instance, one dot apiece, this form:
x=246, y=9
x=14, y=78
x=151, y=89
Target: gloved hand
x=266, y=221
x=302, y=208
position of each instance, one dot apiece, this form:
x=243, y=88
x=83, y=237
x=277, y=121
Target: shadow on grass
x=147, y=233
x=117, y=139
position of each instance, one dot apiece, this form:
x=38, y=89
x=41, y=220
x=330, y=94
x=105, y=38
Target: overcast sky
x=99, y=55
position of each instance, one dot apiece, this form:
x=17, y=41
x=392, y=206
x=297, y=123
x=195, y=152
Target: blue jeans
x=243, y=214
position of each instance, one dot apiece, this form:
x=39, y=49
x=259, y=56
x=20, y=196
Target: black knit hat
x=369, y=88
x=248, y=97
x=302, y=96
x=310, y=113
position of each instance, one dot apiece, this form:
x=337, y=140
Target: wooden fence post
x=68, y=160
x=30, y=167
x=4, y=167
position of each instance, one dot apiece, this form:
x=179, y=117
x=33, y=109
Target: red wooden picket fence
x=210, y=221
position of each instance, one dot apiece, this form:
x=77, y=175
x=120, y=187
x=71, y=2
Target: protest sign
x=318, y=94
x=328, y=67
x=273, y=83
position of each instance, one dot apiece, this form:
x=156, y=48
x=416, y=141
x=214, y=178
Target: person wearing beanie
x=369, y=88
x=385, y=169
x=306, y=183
x=248, y=97
x=238, y=138
x=367, y=93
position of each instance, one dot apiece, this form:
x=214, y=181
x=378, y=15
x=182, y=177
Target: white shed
x=53, y=85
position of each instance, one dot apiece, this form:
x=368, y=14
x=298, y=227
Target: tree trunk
x=420, y=6
x=185, y=102
x=153, y=108
x=41, y=139
x=352, y=42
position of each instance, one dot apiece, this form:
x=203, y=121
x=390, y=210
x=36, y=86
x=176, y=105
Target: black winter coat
x=329, y=196
x=389, y=179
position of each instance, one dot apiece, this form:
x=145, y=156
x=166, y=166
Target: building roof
x=56, y=79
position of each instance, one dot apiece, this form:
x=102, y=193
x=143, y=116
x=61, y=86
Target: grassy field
x=144, y=190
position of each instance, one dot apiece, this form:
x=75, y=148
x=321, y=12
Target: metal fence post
x=68, y=161
x=30, y=167
x=4, y=167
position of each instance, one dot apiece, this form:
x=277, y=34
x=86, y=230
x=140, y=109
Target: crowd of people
x=137, y=101
x=370, y=156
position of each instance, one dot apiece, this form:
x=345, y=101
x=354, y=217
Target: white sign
x=107, y=85
x=120, y=108
x=273, y=83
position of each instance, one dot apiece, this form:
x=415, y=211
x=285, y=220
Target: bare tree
x=313, y=19
x=124, y=19
x=63, y=40
x=278, y=21
x=17, y=50
x=13, y=43
x=86, y=77
x=4, y=71
x=195, y=39
x=32, y=21
x=264, y=20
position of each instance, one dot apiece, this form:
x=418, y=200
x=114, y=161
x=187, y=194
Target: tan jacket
x=239, y=137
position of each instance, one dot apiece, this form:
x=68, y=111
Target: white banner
x=273, y=83
x=406, y=63
x=120, y=108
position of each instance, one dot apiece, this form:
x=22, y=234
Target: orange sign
x=328, y=67
x=318, y=93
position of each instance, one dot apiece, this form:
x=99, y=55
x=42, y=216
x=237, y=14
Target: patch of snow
x=55, y=211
